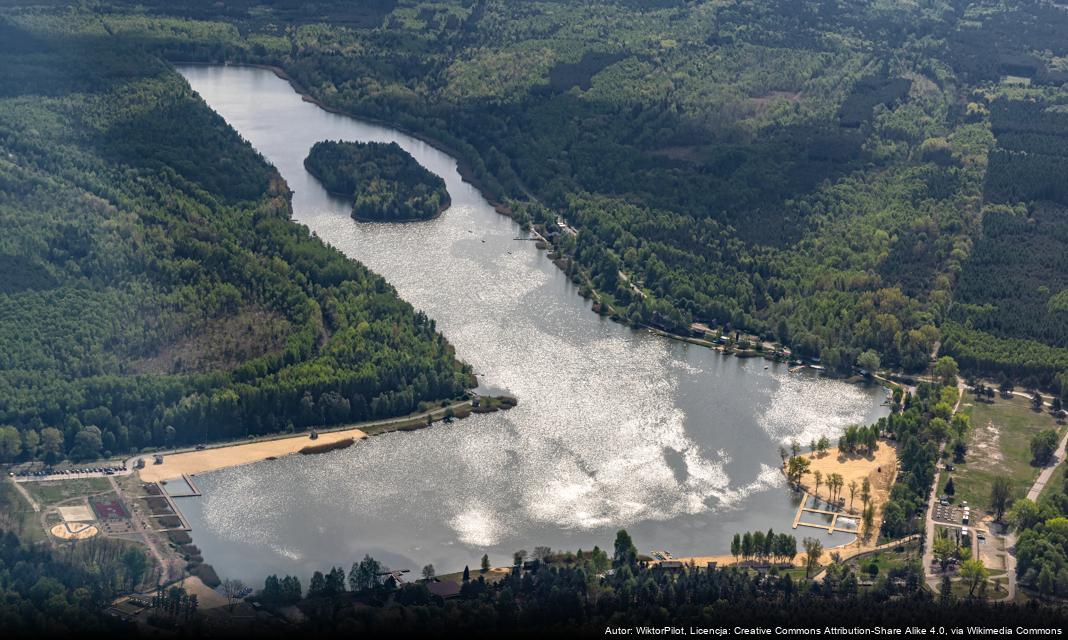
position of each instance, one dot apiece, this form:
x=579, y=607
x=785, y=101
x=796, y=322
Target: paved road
x=1047, y=473
x=1009, y=542
x=71, y=476
x=928, y=543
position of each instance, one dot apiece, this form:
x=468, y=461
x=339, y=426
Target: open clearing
x=999, y=444
x=51, y=492
x=78, y=513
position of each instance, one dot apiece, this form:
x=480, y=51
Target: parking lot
x=42, y=475
x=948, y=514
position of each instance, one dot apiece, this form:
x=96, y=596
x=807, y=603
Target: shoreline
x=462, y=167
x=234, y=454
x=193, y=463
x=468, y=176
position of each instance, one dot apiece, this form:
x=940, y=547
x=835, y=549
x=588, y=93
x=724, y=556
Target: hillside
x=155, y=291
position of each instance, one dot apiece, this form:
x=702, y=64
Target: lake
x=615, y=427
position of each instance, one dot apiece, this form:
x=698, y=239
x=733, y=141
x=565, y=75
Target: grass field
x=886, y=560
x=999, y=444
x=17, y=515
x=56, y=491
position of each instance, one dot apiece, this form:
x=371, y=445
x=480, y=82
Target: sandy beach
x=194, y=462
x=880, y=469
x=207, y=597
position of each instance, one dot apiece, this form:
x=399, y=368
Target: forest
x=1042, y=543
x=582, y=593
x=816, y=173
x=45, y=592
x=385, y=182
x=922, y=424
x=1010, y=314
x=135, y=222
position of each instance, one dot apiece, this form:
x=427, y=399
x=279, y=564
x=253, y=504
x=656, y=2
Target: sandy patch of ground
x=79, y=513
x=992, y=550
x=986, y=446
x=880, y=469
x=193, y=462
x=73, y=531
x=207, y=598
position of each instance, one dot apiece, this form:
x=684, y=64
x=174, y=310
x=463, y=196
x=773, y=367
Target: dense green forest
x=384, y=181
x=155, y=290
x=43, y=595
x=815, y=172
x=925, y=420
x=1011, y=311
x=1042, y=545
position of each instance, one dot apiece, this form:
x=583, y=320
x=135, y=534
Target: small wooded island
x=384, y=181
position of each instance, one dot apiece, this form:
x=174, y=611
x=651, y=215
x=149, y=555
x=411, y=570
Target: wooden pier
x=830, y=528
x=192, y=486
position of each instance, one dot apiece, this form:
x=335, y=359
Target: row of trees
x=174, y=604
x=569, y=593
x=779, y=547
x=919, y=428
x=856, y=437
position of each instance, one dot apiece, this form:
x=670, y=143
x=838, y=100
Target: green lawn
x=55, y=491
x=960, y=591
x=1056, y=483
x=999, y=444
x=886, y=560
x=17, y=515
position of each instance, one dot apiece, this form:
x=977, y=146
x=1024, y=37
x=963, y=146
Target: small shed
x=671, y=566
x=443, y=590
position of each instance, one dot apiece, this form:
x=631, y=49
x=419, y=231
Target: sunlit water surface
x=615, y=428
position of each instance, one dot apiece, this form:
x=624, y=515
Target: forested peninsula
x=384, y=181
x=155, y=290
